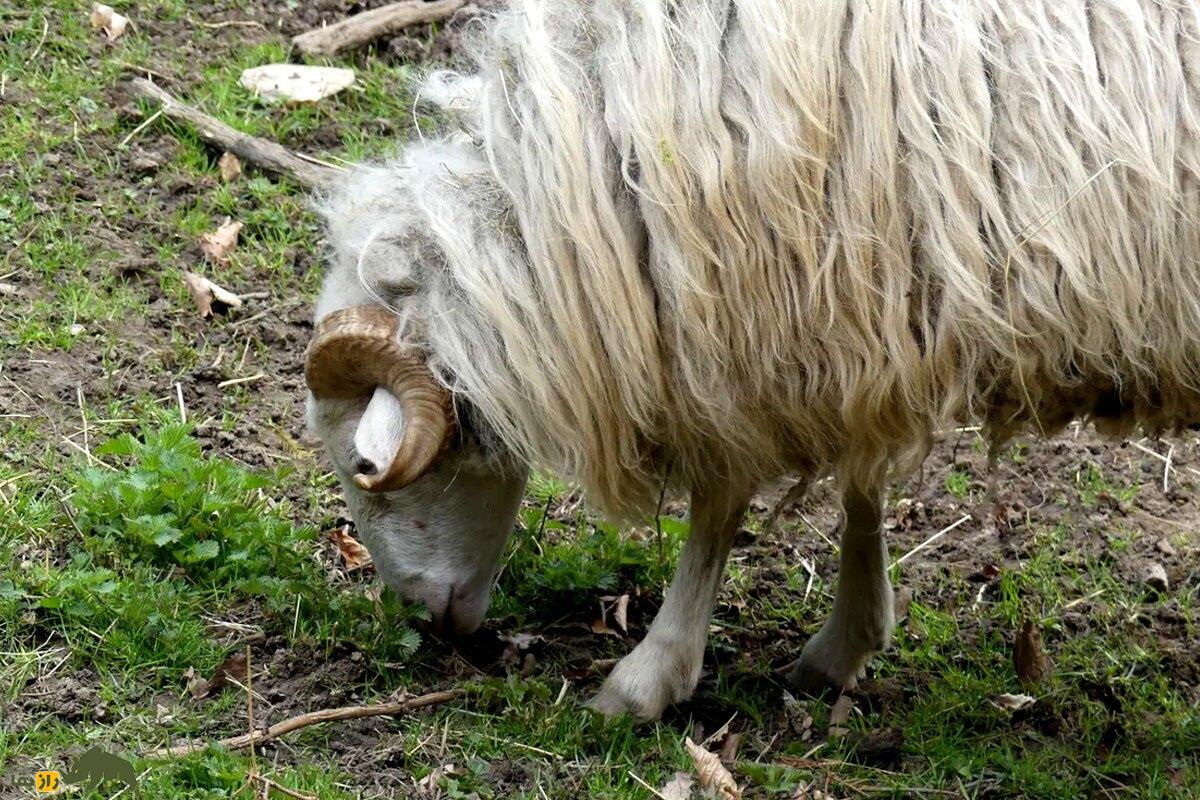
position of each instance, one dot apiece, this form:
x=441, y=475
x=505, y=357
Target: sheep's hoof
x=645, y=682
x=812, y=680
x=618, y=697
x=828, y=666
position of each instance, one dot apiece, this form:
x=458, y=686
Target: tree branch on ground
x=263, y=153
x=313, y=718
x=368, y=26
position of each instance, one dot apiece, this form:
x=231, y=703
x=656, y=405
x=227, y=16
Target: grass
x=138, y=549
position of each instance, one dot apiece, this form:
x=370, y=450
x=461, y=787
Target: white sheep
x=714, y=242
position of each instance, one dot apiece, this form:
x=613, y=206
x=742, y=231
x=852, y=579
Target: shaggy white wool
x=734, y=237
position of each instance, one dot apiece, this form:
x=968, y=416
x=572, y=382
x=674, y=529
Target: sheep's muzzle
x=356, y=349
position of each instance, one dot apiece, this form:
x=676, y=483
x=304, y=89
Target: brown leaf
x=904, y=598
x=209, y=296
x=621, y=613
x=620, y=609
x=729, y=748
x=1031, y=663
x=529, y=665
x=108, y=20
x=230, y=167
x=842, y=708
x=839, y=715
x=230, y=670
x=354, y=554
x=713, y=775
x=218, y=244
x=193, y=681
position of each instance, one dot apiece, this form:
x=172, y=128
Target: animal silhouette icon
x=96, y=766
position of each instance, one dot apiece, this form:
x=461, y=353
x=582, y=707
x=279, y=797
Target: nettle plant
x=204, y=518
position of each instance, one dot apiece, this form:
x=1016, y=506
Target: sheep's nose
x=440, y=616
x=457, y=613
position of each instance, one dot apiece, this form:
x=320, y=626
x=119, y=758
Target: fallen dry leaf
x=219, y=243
x=296, y=83
x=1012, y=702
x=713, y=775
x=227, y=672
x=903, y=601
x=621, y=613
x=230, y=167
x=729, y=748
x=1029, y=660
x=678, y=788
x=839, y=715
x=354, y=553
x=620, y=610
x=797, y=714
x=108, y=20
x=209, y=297
x=192, y=680
x=1156, y=577
x=842, y=708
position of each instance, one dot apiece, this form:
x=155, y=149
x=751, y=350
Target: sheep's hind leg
x=665, y=667
x=863, y=618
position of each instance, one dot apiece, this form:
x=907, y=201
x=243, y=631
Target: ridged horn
x=356, y=349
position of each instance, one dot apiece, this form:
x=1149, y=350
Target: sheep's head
x=434, y=509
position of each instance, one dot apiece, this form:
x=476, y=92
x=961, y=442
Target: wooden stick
x=370, y=25
x=313, y=718
x=263, y=153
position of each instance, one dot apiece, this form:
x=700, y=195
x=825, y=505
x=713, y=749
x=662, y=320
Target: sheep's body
x=751, y=236
x=723, y=240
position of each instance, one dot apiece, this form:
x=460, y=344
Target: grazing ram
x=715, y=242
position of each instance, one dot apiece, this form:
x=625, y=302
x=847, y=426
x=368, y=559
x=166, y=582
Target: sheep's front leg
x=665, y=667
x=863, y=618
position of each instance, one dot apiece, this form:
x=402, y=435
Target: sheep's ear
x=379, y=430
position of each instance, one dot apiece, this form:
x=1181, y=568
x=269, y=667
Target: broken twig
x=370, y=25
x=313, y=718
x=263, y=153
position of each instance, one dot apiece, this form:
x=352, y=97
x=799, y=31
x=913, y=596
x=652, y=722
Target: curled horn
x=355, y=350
